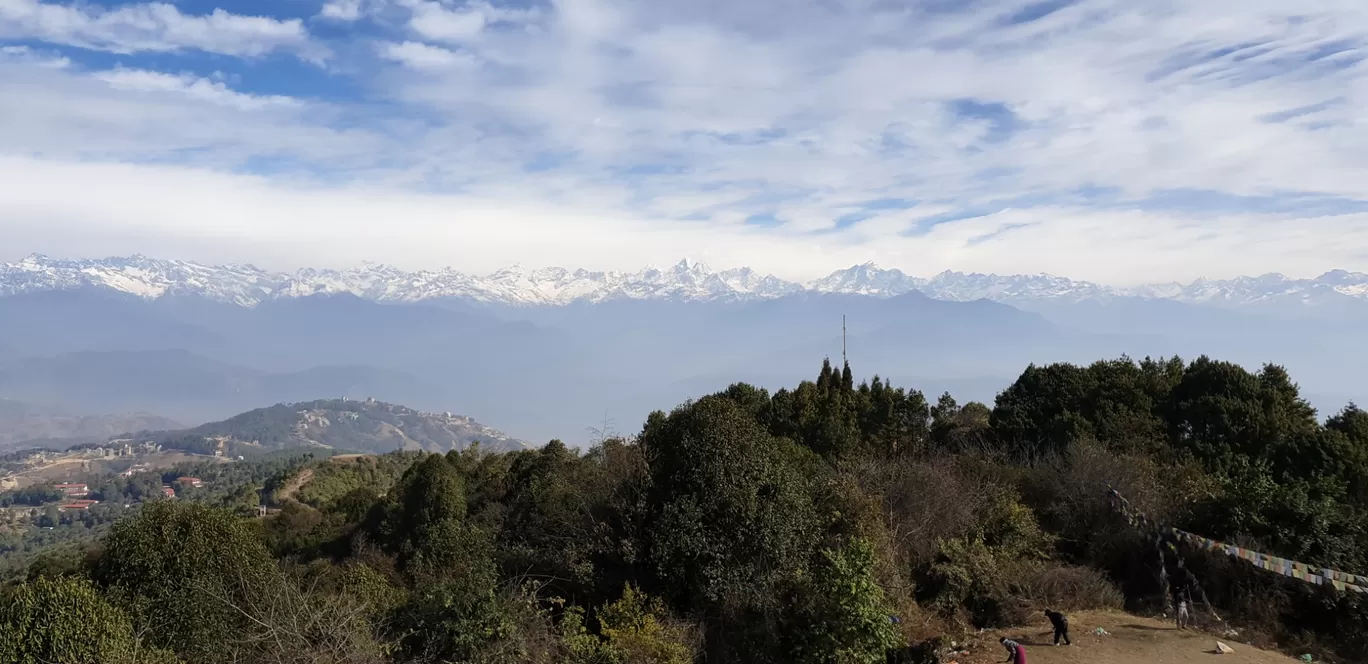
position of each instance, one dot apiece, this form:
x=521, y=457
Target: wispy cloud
x=125, y=114
x=1074, y=137
x=341, y=10
x=26, y=55
x=131, y=28
x=433, y=21
x=418, y=55
x=194, y=87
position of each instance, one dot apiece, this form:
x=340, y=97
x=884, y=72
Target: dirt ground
x=1132, y=640
x=295, y=483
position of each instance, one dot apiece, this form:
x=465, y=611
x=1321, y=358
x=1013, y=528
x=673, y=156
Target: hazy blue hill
x=53, y=322
x=183, y=385
x=28, y=425
x=349, y=425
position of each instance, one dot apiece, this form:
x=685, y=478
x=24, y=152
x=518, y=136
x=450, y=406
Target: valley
x=187, y=346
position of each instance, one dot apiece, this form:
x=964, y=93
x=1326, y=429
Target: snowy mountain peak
x=687, y=280
x=866, y=279
x=690, y=265
x=1343, y=277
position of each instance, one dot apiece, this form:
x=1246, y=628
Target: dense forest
x=830, y=523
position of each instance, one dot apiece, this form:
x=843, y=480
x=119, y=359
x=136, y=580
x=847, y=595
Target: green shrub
x=186, y=571
x=65, y=620
x=635, y=629
x=846, y=616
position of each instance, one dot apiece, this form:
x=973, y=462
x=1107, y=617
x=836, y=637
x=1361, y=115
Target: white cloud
x=151, y=27
x=342, y=10
x=27, y=55
x=646, y=113
x=211, y=216
x=432, y=20
x=463, y=22
x=139, y=115
x=418, y=55
x=191, y=86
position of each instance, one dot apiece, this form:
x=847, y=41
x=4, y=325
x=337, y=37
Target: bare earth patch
x=1131, y=640
x=293, y=486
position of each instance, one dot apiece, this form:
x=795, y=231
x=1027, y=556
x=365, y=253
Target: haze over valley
x=551, y=353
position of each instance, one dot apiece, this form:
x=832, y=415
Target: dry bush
x=1067, y=588
x=1069, y=490
x=1069, y=494
x=290, y=620
x=924, y=502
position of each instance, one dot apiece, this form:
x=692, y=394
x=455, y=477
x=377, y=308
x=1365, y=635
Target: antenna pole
x=844, y=361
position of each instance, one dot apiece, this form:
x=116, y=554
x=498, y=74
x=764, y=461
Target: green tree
x=52, y=517
x=1347, y=433
x=454, y=607
x=1118, y=402
x=1352, y=421
x=185, y=570
x=65, y=620
x=892, y=421
x=423, y=523
x=732, y=519
x=1045, y=409
x=751, y=399
x=564, y=518
x=843, y=616
x=1220, y=413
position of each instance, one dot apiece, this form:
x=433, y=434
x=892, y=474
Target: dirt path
x=1132, y=640
x=288, y=491
x=305, y=476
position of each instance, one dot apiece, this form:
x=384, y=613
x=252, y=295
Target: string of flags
x=1342, y=581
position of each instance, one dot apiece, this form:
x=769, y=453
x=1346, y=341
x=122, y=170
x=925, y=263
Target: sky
x=1117, y=141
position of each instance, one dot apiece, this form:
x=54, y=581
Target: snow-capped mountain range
x=686, y=281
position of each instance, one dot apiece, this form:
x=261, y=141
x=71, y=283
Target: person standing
x=1183, y=582
x=1061, y=626
x=1184, y=601
x=1016, y=653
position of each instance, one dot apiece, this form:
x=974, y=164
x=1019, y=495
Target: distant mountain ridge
x=688, y=281
x=21, y=422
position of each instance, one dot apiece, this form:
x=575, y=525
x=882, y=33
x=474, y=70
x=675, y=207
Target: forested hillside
x=356, y=426
x=832, y=522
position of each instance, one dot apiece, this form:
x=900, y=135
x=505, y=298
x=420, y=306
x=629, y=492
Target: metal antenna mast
x=844, y=361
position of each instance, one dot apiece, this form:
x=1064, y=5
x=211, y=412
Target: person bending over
x=1061, y=626
x=1016, y=653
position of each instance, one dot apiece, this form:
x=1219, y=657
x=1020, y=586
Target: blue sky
x=1124, y=142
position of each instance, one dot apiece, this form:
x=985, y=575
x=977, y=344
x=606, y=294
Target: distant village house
x=77, y=505
x=193, y=482
x=74, y=490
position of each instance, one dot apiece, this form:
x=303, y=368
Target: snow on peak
x=866, y=279
x=687, y=280
x=690, y=265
